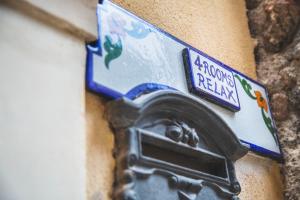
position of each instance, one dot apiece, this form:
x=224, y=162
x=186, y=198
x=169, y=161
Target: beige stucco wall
x=217, y=27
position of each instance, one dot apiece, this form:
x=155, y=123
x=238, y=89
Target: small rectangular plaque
x=210, y=79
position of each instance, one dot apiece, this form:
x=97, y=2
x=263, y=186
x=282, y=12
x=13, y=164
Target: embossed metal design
x=171, y=147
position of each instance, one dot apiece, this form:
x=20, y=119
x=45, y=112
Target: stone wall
x=275, y=26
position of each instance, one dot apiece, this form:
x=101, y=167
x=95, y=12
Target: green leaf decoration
x=267, y=120
x=269, y=124
x=246, y=86
x=113, y=50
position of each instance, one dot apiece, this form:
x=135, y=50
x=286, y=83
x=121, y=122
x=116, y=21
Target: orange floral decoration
x=261, y=102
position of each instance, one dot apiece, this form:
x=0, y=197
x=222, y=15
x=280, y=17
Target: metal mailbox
x=169, y=146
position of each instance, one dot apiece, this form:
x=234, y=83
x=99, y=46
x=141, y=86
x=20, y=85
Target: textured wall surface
x=100, y=142
x=276, y=26
x=259, y=177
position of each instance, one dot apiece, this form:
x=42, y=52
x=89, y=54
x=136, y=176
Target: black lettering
x=206, y=68
x=209, y=84
x=230, y=81
x=216, y=89
x=213, y=71
x=201, y=80
x=224, y=76
x=230, y=93
x=218, y=74
x=198, y=62
x=223, y=92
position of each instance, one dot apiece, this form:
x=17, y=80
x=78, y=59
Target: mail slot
x=169, y=146
x=184, y=158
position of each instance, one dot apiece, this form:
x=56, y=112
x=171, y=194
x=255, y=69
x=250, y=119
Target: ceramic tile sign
x=210, y=79
x=132, y=58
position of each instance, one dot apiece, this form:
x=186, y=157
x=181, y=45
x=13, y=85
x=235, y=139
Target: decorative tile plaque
x=132, y=58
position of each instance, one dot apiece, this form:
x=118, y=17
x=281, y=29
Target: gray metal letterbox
x=169, y=146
